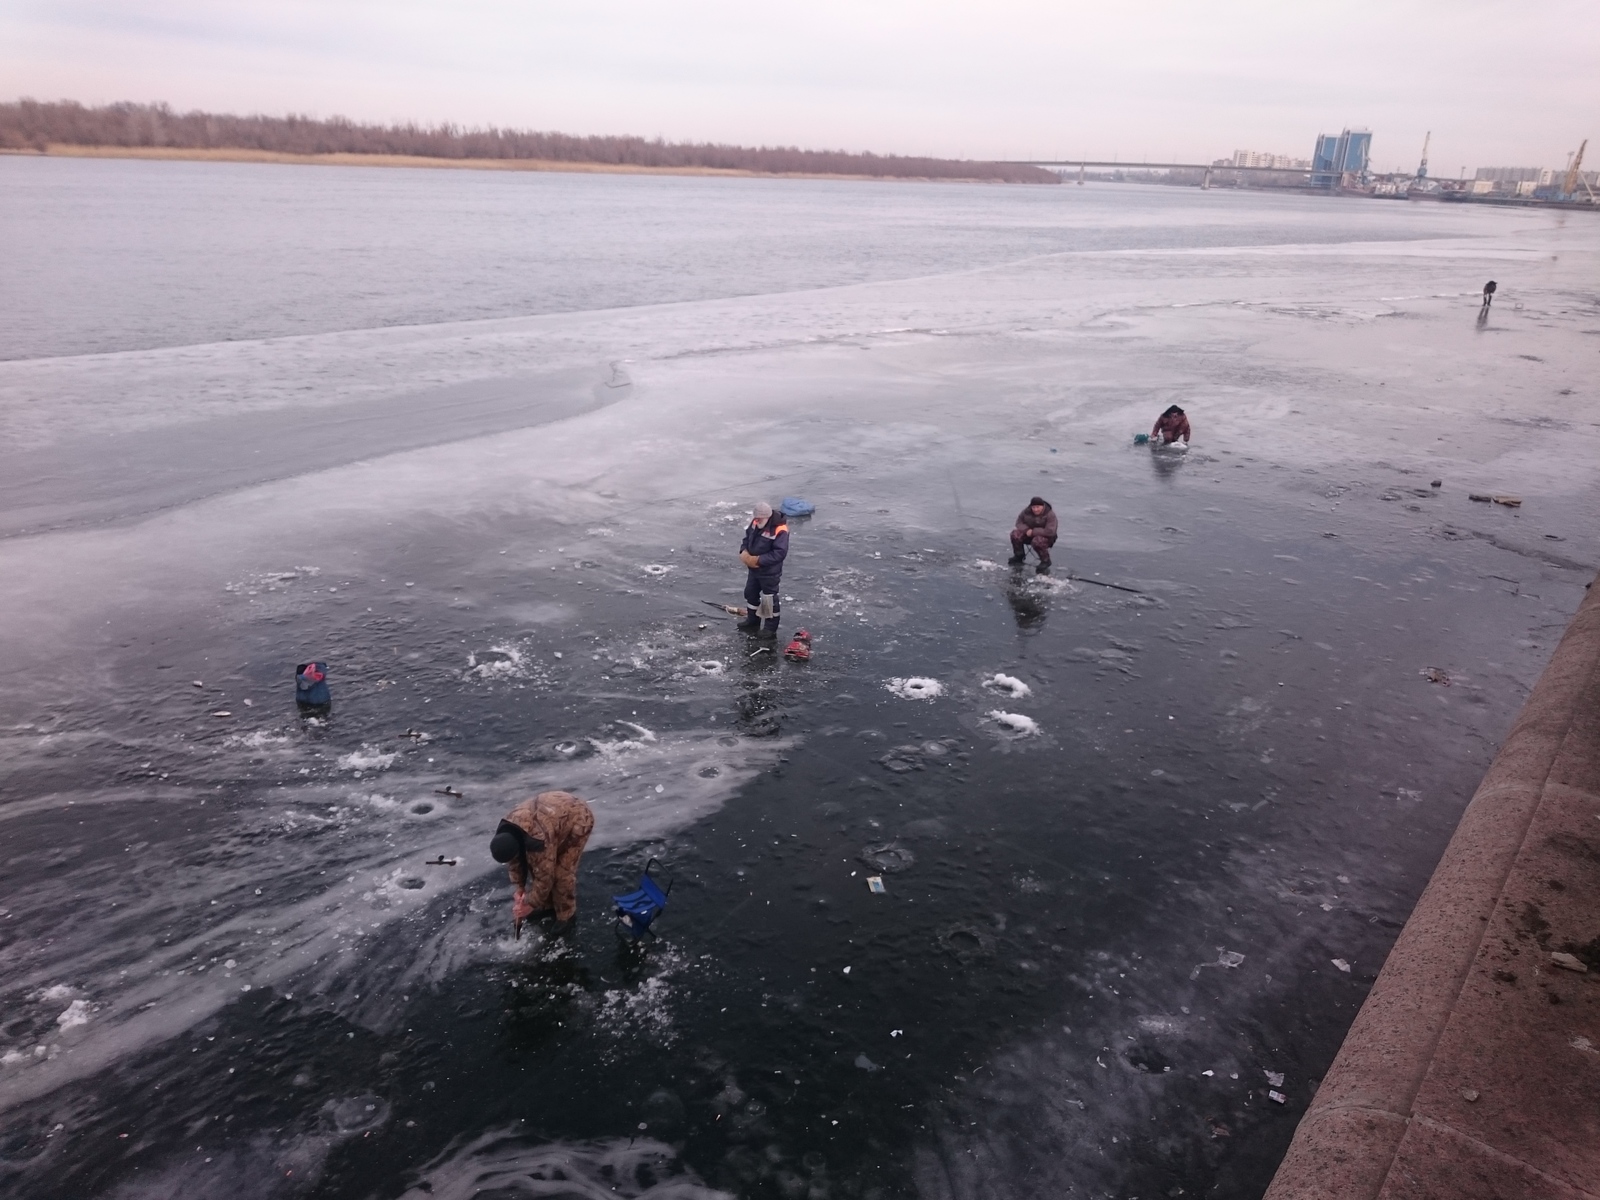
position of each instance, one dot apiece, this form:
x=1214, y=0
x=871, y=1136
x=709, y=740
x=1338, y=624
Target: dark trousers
x=753, y=589
x=1021, y=539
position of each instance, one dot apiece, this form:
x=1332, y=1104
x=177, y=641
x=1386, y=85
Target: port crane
x=1422, y=167
x=1569, y=186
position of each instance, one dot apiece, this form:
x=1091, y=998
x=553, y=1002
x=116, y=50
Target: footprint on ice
x=917, y=687
x=1008, y=685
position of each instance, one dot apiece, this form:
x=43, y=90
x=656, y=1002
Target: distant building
x=1338, y=159
x=1272, y=162
x=1509, y=174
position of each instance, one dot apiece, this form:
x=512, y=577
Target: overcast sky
x=1500, y=83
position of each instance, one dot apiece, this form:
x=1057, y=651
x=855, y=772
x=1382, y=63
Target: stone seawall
x=1473, y=1069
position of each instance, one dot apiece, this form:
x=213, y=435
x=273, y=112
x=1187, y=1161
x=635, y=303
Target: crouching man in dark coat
x=1036, y=527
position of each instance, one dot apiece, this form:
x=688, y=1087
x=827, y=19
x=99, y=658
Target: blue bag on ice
x=793, y=506
x=311, y=685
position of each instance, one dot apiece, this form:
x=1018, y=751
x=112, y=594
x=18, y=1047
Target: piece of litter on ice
x=198, y=682
x=847, y=970
x=222, y=712
x=1208, y=1073
x=866, y=1064
x=249, y=703
x=1275, y=1078
x=1229, y=958
x=1569, y=962
x=875, y=885
x=1470, y=1095
x=1277, y=1097
x=1342, y=965
x=896, y=1032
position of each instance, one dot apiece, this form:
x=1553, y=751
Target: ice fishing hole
x=422, y=809
x=412, y=883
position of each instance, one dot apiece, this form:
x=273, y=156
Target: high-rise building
x=1339, y=158
x=1272, y=162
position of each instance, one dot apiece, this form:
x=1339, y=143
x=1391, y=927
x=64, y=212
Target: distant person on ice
x=541, y=842
x=765, y=546
x=1036, y=527
x=1170, y=426
x=1488, y=293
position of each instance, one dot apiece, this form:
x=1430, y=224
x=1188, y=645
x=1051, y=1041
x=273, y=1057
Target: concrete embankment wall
x=1473, y=1069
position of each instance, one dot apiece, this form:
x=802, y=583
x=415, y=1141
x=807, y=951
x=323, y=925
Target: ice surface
x=1230, y=745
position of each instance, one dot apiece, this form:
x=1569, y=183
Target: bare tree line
x=37, y=125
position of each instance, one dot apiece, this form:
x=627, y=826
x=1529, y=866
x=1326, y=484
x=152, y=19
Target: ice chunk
x=77, y=1014
x=916, y=687
x=1015, y=724
x=368, y=758
x=1010, y=685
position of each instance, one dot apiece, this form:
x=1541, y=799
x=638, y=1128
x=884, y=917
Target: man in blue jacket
x=766, y=545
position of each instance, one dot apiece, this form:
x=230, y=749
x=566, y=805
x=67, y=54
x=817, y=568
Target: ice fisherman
x=1036, y=526
x=1170, y=426
x=765, y=546
x=541, y=842
x=1488, y=293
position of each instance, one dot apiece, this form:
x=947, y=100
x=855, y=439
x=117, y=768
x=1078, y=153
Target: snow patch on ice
x=59, y=991
x=497, y=662
x=77, y=1014
x=1014, y=724
x=1010, y=685
x=915, y=687
x=368, y=758
x=260, y=739
x=506, y=1162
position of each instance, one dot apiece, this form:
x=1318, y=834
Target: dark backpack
x=311, y=685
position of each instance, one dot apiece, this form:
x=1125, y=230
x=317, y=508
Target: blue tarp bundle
x=793, y=506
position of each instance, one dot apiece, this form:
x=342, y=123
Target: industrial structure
x=1341, y=165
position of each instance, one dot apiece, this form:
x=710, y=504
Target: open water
x=484, y=442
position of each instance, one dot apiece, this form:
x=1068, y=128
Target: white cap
x=763, y=510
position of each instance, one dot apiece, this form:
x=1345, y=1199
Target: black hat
x=510, y=840
x=1040, y=500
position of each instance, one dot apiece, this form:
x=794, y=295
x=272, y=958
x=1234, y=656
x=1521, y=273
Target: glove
x=523, y=908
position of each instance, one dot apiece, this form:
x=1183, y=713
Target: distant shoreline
x=349, y=159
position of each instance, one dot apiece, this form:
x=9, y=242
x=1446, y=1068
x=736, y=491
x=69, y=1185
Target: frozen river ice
x=485, y=442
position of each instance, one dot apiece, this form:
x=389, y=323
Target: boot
x=1043, y=568
x=1017, y=559
x=749, y=622
x=769, y=628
